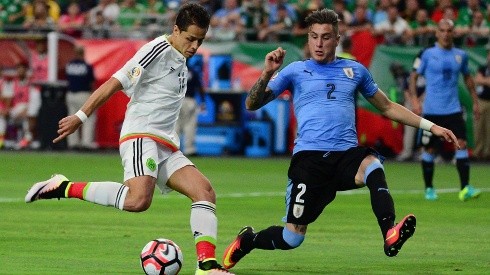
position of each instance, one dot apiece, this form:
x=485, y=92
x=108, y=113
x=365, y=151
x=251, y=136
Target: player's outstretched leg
x=53, y=188
x=211, y=267
x=234, y=252
x=398, y=234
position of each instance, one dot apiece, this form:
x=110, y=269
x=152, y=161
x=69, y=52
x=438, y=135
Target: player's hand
x=274, y=59
x=67, y=126
x=446, y=134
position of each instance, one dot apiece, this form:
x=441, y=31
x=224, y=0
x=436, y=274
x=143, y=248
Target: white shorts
x=144, y=156
x=34, y=102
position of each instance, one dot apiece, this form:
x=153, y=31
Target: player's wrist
x=426, y=124
x=81, y=115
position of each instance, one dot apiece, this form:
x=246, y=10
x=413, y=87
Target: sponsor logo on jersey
x=308, y=72
x=349, y=72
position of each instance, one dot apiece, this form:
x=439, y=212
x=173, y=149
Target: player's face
x=322, y=41
x=445, y=35
x=187, y=42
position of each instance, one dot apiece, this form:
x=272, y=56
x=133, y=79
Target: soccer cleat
x=211, y=267
x=469, y=192
x=234, y=252
x=398, y=234
x=430, y=194
x=48, y=189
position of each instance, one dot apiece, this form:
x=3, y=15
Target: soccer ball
x=161, y=257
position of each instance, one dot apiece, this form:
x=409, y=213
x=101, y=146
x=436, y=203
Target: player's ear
x=176, y=30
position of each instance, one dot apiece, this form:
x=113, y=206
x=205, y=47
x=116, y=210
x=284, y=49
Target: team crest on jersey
x=349, y=72
x=298, y=210
x=150, y=163
x=134, y=73
x=458, y=58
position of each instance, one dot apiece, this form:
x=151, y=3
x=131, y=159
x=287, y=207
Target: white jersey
x=155, y=80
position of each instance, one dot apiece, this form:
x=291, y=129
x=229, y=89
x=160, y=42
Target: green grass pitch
x=75, y=237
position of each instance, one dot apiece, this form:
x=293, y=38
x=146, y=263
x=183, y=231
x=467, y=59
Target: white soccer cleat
x=46, y=189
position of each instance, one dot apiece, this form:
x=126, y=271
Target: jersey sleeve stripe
x=157, y=49
x=152, y=51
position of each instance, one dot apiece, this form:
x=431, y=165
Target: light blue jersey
x=440, y=68
x=323, y=98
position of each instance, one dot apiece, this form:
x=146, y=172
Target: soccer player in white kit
x=155, y=80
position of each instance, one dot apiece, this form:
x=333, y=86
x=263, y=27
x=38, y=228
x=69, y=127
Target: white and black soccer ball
x=161, y=257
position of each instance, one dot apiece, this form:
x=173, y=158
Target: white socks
x=204, y=223
x=106, y=193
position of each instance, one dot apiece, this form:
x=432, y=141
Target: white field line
x=281, y=194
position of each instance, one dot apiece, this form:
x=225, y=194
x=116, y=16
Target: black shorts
x=316, y=176
x=453, y=122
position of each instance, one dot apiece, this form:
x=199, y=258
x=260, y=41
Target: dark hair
x=323, y=16
x=192, y=14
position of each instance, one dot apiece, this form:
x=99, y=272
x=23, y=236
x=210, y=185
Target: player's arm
x=412, y=83
x=412, y=92
x=259, y=95
x=480, y=79
x=470, y=84
x=397, y=112
x=71, y=123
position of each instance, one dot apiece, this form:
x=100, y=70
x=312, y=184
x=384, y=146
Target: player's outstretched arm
x=70, y=124
x=258, y=96
x=398, y=113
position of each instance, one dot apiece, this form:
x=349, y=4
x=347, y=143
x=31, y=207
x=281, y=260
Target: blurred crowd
x=407, y=22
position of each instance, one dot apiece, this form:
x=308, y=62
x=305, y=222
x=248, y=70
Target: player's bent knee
x=139, y=205
x=204, y=194
x=293, y=239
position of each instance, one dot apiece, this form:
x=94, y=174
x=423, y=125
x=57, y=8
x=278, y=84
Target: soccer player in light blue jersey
x=327, y=157
x=441, y=65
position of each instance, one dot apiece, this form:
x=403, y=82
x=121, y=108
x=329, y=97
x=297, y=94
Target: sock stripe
x=67, y=189
x=118, y=196
x=208, y=239
x=207, y=207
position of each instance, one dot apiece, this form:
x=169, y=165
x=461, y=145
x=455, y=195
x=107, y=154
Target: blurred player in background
x=326, y=156
x=6, y=94
x=80, y=77
x=482, y=126
x=440, y=65
x=24, y=103
x=39, y=74
x=187, y=122
x=155, y=80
